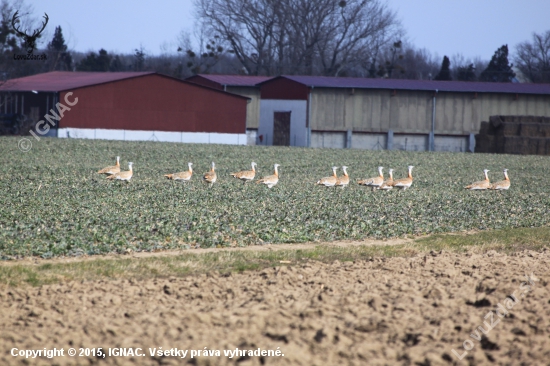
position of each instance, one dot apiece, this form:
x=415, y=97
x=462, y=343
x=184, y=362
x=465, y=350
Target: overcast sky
x=473, y=28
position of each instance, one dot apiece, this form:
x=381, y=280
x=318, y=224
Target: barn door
x=281, y=128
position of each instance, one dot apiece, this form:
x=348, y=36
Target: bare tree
x=324, y=37
x=245, y=25
x=355, y=30
x=533, y=58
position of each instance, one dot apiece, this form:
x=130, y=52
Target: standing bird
x=126, y=175
x=404, y=182
x=111, y=169
x=482, y=184
x=184, y=176
x=270, y=180
x=503, y=184
x=246, y=175
x=210, y=177
x=375, y=182
x=329, y=181
x=343, y=181
x=388, y=183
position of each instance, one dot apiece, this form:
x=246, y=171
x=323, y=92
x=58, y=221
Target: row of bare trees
x=344, y=38
x=359, y=38
x=323, y=37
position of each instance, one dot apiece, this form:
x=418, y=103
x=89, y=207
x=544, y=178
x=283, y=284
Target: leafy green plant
x=52, y=201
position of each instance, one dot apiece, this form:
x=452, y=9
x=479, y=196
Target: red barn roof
x=231, y=80
x=427, y=85
x=64, y=80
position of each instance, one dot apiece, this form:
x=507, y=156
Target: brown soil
x=394, y=311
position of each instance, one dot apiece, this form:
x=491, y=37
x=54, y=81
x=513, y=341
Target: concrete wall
x=410, y=142
x=332, y=140
x=298, y=130
x=452, y=143
x=407, y=111
x=251, y=137
x=135, y=135
x=379, y=141
x=369, y=141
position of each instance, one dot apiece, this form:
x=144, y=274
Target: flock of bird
x=486, y=184
x=210, y=177
x=377, y=183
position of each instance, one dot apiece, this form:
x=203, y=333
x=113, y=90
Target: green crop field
x=53, y=202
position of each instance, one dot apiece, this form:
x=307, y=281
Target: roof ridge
x=422, y=85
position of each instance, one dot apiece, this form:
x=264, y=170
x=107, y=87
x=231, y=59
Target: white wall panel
x=105, y=134
x=136, y=135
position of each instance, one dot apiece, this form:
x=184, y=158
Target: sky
x=472, y=28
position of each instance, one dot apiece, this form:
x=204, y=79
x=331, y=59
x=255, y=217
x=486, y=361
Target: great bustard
x=503, y=184
x=125, y=175
x=271, y=180
x=246, y=175
x=329, y=181
x=343, y=181
x=210, y=177
x=183, y=176
x=111, y=169
x=388, y=183
x=482, y=184
x=374, y=182
x=404, y=183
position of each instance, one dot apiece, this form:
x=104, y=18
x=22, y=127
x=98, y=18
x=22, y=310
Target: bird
x=482, y=184
x=111, y=169
x=404, y=183
x=270, y=180
x=125, y=175
x=183, y=176
x=503, y=184
x=374, y=182
x=343, y=181
x=246, y=175
x=388, y=183
x=329, y=181
x=210, y=177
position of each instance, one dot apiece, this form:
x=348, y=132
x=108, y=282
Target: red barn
x=126, y=106
x=244, y=85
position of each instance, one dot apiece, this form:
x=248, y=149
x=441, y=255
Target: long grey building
x=366, y=113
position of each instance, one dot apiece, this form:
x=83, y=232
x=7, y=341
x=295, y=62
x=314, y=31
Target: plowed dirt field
x=384, y=311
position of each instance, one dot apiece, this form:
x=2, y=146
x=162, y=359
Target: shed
x=368, y=113
x=245, y=85
x=127, y=106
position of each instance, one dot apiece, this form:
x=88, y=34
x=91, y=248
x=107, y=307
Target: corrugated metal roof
x=428, y=85
x=65, y=80
x=235, y=80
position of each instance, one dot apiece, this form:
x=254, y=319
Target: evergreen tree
x=117, y=64
x=466, y=73
x=60, y=58
x=94, y=62
x=445, y=72
x=499, y=69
